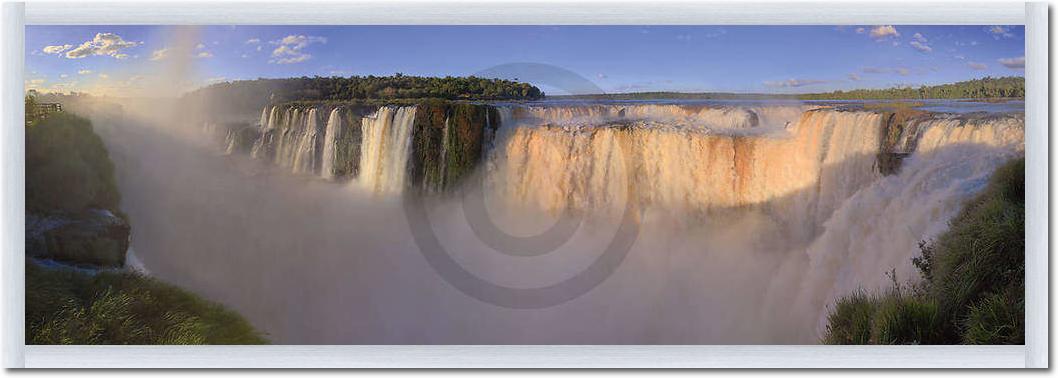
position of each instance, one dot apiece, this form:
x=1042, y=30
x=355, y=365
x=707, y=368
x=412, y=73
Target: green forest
x=988, y=87
x=376, y=87
x=984, y=88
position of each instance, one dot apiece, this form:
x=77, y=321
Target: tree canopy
x=377, y=87
x=988, y=87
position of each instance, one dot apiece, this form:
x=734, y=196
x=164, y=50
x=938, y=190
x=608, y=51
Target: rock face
x=449, y=142
x=95, y=237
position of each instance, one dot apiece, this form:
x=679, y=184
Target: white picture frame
x=1034, y=354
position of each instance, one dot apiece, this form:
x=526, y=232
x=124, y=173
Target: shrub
x=901, y=319
x=850, y=322
x=996, y=319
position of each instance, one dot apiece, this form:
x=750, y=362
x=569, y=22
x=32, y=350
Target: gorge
x=753, y=217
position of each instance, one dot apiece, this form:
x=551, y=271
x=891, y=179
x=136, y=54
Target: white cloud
x=63, y=76
x=200, y=46
x=902, y=71
x=56, y=49
x=290, y=49
x=84, y=72
x=600, y=75
x=1013, y=63
x=998, y=32
x=959, y=57
x=920, y=43
x=160, y=54
x=204, y=54
x=884, y=31
x=106, y=44
x=921, y=46
x=854, y=77
x=253, y=41
x=104, y=76
x=793, y=83
x=977, y=66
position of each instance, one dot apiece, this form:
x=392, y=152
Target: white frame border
x=1033, y=355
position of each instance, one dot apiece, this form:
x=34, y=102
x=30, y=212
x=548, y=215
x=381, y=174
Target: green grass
x=973, y=285
x=122, y=308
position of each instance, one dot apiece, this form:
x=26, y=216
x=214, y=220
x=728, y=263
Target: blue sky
x=119, y=60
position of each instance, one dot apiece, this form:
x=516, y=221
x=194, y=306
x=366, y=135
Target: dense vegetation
x=973, y=280
x=985, y=88
x=70, y=307
x=988, y=87
x=379, y=87
x=447, y=143
x=677, y=96
x=68, y=168
x=245, y=96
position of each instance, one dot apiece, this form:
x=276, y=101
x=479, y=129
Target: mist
x=731, y=247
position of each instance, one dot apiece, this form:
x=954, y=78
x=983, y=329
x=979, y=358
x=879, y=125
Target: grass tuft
x=122, y=308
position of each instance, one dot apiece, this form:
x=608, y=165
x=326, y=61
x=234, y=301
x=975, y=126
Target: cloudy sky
x=128, y=60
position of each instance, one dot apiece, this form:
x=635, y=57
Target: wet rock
x=95, y=237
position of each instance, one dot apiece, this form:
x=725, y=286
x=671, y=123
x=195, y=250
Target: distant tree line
x=988, y=87
x=247, y=96
x=398, y=86
x=676, y=96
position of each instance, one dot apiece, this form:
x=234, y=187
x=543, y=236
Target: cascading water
x=753, y=219
x=330, y=139
x=697, y=169
x=385, y=149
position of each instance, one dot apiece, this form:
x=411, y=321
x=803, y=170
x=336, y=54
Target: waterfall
x=673, y=116
x=752, y=220
x=825, y=158
x=263, y=123
x=330, y=140
x=305, y=152
x=878, y=228
x=385, y=148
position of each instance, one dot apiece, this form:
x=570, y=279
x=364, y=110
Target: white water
x=385, y=149
x=667, y=116
x=334, y=126
x=745, y=237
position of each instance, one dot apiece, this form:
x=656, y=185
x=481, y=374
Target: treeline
x=988, y=87
x=376, y=87
x=247, y=96
x=677, y=96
